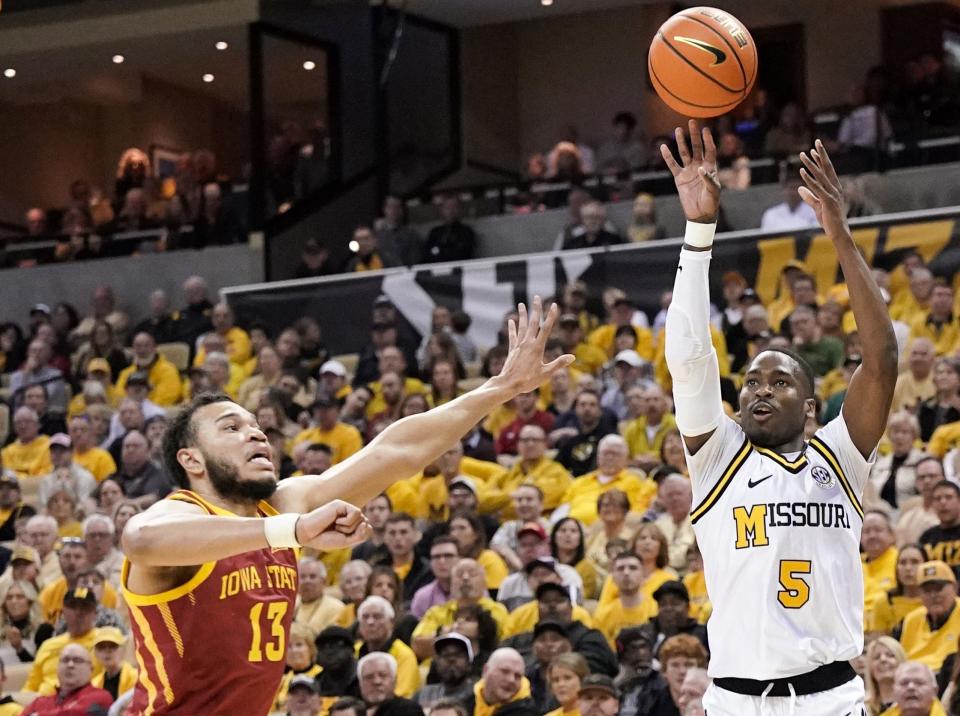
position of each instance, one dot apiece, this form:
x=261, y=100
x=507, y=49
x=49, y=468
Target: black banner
x=488, y=289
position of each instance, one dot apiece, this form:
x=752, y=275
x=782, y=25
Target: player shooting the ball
x=211, y=572
x=777, y=518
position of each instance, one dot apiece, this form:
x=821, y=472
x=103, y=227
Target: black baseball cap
x=80, y=597
x=302, y=681
x=673, y=587
x=599, y=682
x=552, y=587
x=549, y=625
x=325, y=401
x=335, y=633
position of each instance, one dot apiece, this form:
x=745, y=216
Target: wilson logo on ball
x=719, y=55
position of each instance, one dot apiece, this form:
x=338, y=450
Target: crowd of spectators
x=544, y=563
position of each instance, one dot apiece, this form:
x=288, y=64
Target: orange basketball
x=702, y=62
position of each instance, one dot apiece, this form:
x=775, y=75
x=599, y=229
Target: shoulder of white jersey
x=832, y=444
x=716, y=463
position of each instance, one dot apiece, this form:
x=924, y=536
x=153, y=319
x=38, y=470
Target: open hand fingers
x=511, y=335
x=813, y=184
x=809, y=197
x=709, y=148
x=558, y=364
x=546, y=330
x=534, y=324
x=696, y=142
x=669, y=160
x=682, y=146
x=521, y=321
x=825, y=162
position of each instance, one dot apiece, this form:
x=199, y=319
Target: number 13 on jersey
x=796, y=591
x=275, y=647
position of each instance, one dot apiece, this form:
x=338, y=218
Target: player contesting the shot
x=777, y=519
x=210, y=576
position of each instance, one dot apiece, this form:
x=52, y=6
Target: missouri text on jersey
x=752, y=522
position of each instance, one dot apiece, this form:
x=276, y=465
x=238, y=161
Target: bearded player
x=210, y=573
x=777, y=518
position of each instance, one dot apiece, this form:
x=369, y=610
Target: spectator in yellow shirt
x=590, y=358
x=938, y=324
x=343, y=439
x=631, y=607
x=467, y=529
x=29, y=454
x=222, y=375
x=235, y=339
x=907, y=306
x=915, y=384
x=915, y=692
x=97, y=461
x=621, y=314
x=645, y=434
x=164, y=376
x=534, y=468
x=580, y=500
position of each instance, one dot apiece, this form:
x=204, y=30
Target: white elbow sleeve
x=689, y=352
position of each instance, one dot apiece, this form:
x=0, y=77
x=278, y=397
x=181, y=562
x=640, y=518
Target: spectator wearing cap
x=336, y=655
x=503, y=690
x=673, y=616
x=533, y=552
x=12, y=507
x=301, y=658
x=163, y=376
x=303, y=697
x=344, y=440
x=580, y=500
x=37, y=369
x=107, y=616
x=453, y=655
x=632, y=606
x=97, y=388
x=444, y=553
x=645, y=433
x=143, y=482
x=334, y=380
x=71, y=692
x=79, y=611
x=35, y=396
x=97, y=461
x=576, y=301
x=598, y=696
x=628, y=370
x=527, y=507
x=549, y=641
x=137, y=389
x=315, y=608
x=553, y=603
x=452, y=240
x=467, y=587
x=621, y=313
x=589, y=358
x=28, y=455
x=118, y=675
x=528, y=413
x=928, y=634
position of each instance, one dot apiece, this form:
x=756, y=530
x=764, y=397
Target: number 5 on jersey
x=276, y=647
x=796, y=591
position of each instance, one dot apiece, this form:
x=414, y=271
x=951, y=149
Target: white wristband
x=281, y=530
x=699, y=235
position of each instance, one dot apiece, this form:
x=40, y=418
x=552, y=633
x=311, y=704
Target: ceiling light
x=354, y=246
x=221, y=45
x=208, y=77
x=9, y=73
x=546, y=3
x=118, y=59
x=309, y=65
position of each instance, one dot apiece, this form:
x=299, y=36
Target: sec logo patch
x=822, y=477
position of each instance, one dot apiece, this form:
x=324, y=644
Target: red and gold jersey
x=216, y=644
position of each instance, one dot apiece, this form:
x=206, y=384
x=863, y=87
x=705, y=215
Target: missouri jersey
x=216, y=644
x=780, y=537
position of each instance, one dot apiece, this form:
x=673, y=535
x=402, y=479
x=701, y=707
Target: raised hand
x=698, y=184
x=823, y=191
x=334, y=525
x=524, y=368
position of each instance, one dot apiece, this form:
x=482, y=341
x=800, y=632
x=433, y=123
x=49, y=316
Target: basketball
x=702, y=62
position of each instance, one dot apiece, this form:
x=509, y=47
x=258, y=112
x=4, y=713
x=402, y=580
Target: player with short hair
x=211, y=571
x=777, y=517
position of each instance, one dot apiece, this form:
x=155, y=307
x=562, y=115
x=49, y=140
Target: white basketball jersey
x=780, y=537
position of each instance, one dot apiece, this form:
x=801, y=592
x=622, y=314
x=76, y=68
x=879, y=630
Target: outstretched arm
x=868, y=399
x=689, y=351
x=408, y=445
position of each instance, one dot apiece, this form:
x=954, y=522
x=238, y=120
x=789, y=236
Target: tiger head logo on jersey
x=822, y=477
